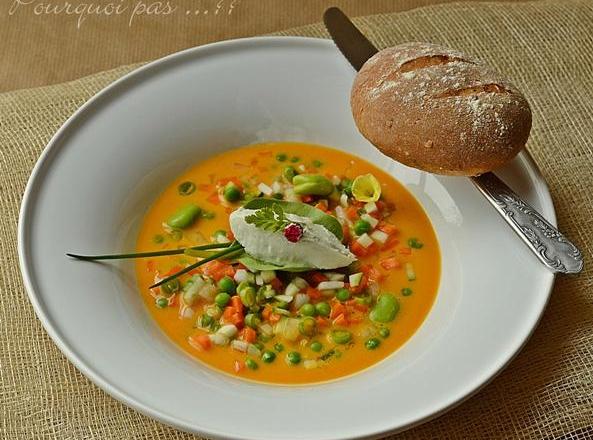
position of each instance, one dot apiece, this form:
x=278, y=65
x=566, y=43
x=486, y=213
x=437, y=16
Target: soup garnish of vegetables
x=302, y=263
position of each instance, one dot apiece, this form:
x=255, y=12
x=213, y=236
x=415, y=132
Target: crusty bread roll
x=439, y=110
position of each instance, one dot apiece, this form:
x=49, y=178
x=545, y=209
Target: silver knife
x=553, y=249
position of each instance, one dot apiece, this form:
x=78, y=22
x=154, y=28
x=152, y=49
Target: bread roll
x=439, y=110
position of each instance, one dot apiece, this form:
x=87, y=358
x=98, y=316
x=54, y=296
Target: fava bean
x=184, y=217
x=312, y=184
x=386, y=308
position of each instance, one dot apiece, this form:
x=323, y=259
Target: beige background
x=43, y=49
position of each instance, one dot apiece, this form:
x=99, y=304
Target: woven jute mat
x=546, y=392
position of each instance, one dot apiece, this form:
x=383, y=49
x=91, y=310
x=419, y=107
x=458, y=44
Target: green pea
x=317, y=163
x=288, y=173
x=343, y=295
x=251, y=364
x=252, y=320
x=406, y=291
x=186, y=188
x=312, y=184
x=170, y=287
x=323, y=309
x=415, y=243
x=184, y=217
x=293, y=357
x=231, y=192
x=161, y=302
x=227, y=285
x=361, y=227
x=346, y=186
x=384, y=332
x=158, y=239
x=341, y=336
x=307, y=310
x=268, y=356
x=316, y=346
x=281, y=157
x=372, y=343
x=308, y=326
x=279, y=347
x=386, y=308
x=295, y=159
x=222, y=299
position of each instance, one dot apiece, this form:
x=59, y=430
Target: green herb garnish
x=268, y=218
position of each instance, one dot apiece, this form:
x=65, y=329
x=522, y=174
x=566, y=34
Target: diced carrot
x=173, y=270
x=274, y=318
x=237, y=319
x=321, y=322
x=276, y=284
x=249, y=335
x=173, y=301
x=266, y=312
x=357, y=249
x=214, y=199
x=361, y=286
x=352, y=212
x=391, y=242
x=313, y=293
x=374, y=275
x=380, y=205
x=340, y=320
x=238, y=366
x=236, y=304
x=405, y=251
x=200, y=342
x=322, y=204
x=230, y=235
x=228, y=313
x=150, y=266
x=388, y=228
x=317, y=277
x=337, y=309
x=390, y=263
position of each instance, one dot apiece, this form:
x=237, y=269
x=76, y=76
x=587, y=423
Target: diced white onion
x=285, y=298
x=265, y=189
x=310, y=364
x=335, y=276
x=252, y=350
x=336, y=180
x=208, y=292
x=218, y=339
x=300, y=299
x=228, y=330
x=277, y=187
x=192, y=289
x=300, y=282
x=222, y=239
x=355, y=279
x=364, y=240
x=330, y=285
x=268, y=275
x=344, y=200
x=259, y=280
x=291, y=290
x=185, y=312
x=340, y=213
x=371, y=220
x=291, y=196
x=379, y=236
x=302, y=168
x=370, y=207
x=238, y=345
x=266, y=329
x=241, y=275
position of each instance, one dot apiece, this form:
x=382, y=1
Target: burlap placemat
x=547, y=391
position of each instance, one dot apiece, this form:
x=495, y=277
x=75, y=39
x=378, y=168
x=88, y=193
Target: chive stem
x=229, y=250
x=148, y=254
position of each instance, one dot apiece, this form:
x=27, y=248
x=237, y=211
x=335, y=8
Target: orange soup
x=348, y=273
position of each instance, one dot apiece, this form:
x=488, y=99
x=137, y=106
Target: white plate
x=103, y=168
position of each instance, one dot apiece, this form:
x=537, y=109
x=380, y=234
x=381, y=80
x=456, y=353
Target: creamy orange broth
x=260, y=161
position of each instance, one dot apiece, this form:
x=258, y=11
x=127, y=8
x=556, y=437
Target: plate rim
x=129, y=80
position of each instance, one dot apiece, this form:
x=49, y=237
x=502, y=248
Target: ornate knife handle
x=553, y=249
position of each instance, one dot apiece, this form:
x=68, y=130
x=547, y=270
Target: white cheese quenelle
x=318, y=248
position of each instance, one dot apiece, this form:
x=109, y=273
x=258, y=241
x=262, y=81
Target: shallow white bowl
x=105, y=166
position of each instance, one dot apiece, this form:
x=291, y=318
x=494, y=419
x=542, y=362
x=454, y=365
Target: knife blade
x=550, y=246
